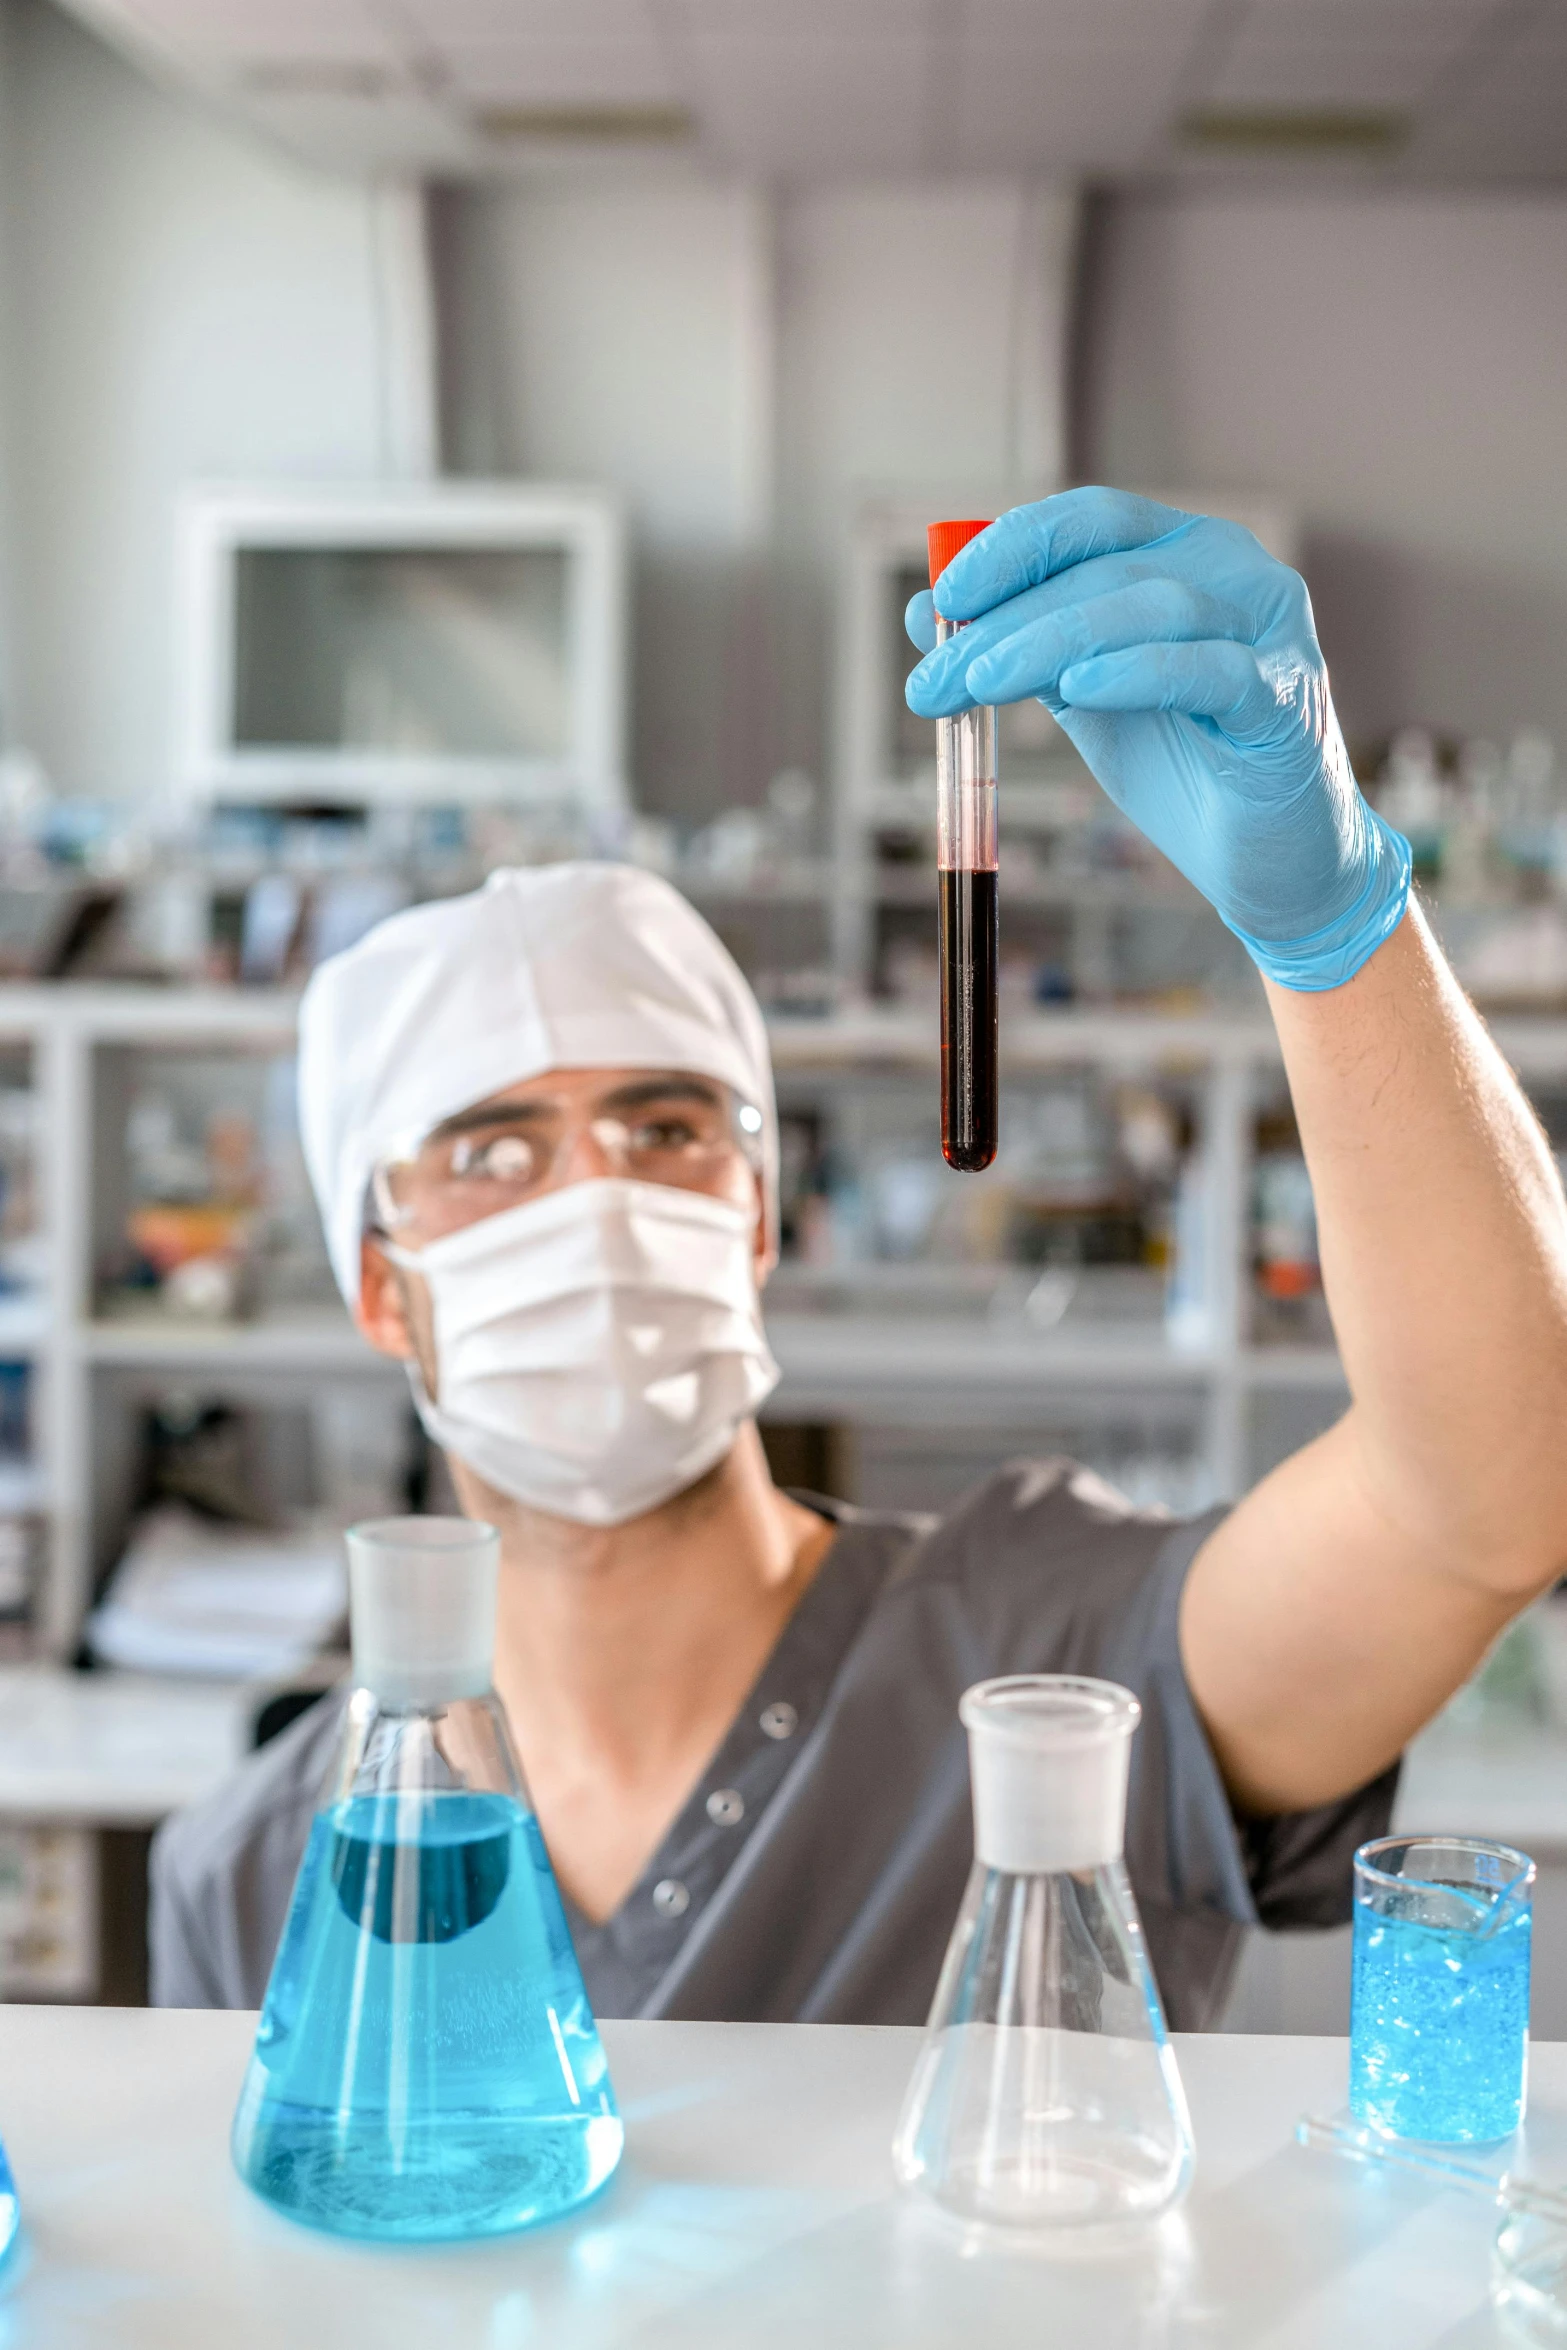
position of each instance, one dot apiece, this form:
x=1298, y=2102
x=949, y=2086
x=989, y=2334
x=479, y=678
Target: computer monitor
x=411, y=642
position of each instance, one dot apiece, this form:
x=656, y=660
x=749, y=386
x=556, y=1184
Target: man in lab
x=540, y=1125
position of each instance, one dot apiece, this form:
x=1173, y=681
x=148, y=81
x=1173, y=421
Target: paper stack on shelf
x=194, y=1596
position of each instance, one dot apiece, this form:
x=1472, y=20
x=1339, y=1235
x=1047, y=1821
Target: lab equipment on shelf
x=426, y=2064
x=1439, y=2002
x=1046, y=2102
x=192, y=1595
x=968, y=904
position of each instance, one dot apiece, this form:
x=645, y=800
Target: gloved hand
x=1183, y=663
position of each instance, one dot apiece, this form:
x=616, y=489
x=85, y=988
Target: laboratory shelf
x=114, y=1749
x=1100, y=891
x=1507, y=1784
x=865, y=1344
x=24, y=1324
x=874, y=1033
x=1039, y=802
x=1292, y=1366
x=851, y=1356
x=325, y=1341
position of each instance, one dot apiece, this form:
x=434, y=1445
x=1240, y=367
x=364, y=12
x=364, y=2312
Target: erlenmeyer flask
x=1046, y=2098
x=10, y=2210
x=426, y=2063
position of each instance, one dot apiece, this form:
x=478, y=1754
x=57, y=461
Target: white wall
x=1397, y=366
x=614, y=335
x=8, y=358
x=745, y=374
x=184, y=303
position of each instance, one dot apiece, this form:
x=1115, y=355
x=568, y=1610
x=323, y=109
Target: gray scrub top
x=815, y=1871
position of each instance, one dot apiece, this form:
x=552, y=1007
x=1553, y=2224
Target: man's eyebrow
x=523, y=1113
x=643, y=1090
x=636, y=1094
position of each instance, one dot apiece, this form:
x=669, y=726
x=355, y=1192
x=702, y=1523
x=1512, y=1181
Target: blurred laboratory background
x=442, y=433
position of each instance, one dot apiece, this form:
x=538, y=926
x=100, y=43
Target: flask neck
x=415, y=1751
x=1049, y=1758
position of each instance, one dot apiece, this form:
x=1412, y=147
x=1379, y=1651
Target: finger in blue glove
x=1183, y=662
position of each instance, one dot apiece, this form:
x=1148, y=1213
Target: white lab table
x=754, y=2210
x=114, y=1749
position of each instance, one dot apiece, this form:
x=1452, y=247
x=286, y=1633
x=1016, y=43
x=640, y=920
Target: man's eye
x=664, y=1134
x=505, y=1158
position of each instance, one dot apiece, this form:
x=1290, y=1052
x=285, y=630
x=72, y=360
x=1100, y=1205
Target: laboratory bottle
x=967, y=905
x=426, y=2064
x=1045, y=2102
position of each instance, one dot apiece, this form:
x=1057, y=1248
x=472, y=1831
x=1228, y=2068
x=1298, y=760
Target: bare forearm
x=1345, y=1598
x=1443, y=1234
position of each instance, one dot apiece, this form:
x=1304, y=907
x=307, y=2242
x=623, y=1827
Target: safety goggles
x=666, y=1127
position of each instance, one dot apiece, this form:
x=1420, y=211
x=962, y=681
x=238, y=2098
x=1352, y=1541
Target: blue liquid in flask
x=10, y=2211
x=427, y=2065
x=1441, y=2025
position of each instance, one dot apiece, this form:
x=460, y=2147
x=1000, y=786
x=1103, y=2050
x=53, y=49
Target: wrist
x=1330, y=954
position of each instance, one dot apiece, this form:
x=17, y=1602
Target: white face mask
x=598, y=1349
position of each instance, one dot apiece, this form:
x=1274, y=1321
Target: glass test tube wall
x=969, y=905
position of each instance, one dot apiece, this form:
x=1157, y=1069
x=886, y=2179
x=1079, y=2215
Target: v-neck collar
x=625, y=1956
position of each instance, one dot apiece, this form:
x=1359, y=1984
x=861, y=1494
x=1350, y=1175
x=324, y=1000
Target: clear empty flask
x=1046, y=2100
x=426, y=2064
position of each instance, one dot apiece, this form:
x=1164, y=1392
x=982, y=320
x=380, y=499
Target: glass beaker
x=1439, y=2000
x=426, y=2064
x=1046, y=2100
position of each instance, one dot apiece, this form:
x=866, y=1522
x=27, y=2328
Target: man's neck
x=623, y=1652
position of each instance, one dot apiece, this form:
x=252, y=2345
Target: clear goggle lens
x=483, y=1163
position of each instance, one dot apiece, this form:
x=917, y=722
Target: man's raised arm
x=1343, y=1600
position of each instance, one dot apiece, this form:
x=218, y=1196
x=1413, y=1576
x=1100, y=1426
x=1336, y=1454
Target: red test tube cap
x=945, y=538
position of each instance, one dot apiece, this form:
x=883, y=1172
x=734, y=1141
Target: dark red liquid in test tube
x=969, y=930
x=968, y=907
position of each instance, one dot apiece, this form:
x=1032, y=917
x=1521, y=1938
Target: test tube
x=968, y=904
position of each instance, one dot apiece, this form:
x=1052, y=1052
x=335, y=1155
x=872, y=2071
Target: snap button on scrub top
x=726, y=1807
x=670, y=1898
x=779, y=1721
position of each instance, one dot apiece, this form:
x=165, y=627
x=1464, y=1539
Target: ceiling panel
x=802, y=89
x=554, y=73
x=1272, y=76
x=293, y=28
x=1076, y=24
x=1035, y=108
x=1372, y=21
x=1526, y=140
x=846, y=108
x=743, y=21
x=458, y=24
x=398, y=133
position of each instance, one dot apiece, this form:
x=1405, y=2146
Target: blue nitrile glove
x=1183, y=663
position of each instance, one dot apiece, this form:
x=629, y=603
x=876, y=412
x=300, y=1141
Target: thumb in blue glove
x=1182, y=661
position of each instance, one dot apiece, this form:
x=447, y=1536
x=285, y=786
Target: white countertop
x=754, y=2210
x=114, y=1749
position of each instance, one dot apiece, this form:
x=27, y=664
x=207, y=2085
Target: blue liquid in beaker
x=10, y=2210
x=1440, y=2025
x=426, y=2065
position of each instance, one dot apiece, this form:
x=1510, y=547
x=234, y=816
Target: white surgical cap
x=559, y=967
